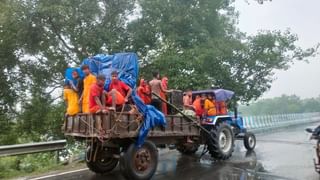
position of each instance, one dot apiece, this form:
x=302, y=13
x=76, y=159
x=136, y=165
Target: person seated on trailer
x=96, y=99
x=210, y=105
x=71, y=99
x=144, y=91
x=118, y=92
x=187, y=100
x=89, y=80
x=188, y=107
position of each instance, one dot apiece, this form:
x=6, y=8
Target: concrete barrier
x=263, y=122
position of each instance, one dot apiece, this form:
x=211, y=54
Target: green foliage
x=25, y=164
x=281, y=105
x=198, y=46
x=41, y=120
x=195, y=43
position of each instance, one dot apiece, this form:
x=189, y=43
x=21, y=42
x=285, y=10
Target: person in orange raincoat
x=89, y=80
x=163, y=95
x=221, y=107
x=198, y=103
x=144, y=92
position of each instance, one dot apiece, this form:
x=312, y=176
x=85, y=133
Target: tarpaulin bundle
x=126, y=64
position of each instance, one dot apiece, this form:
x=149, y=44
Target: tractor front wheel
x=220, y=141
x=249, y=141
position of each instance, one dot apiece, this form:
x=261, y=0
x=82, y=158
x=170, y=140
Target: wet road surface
x=279, y=154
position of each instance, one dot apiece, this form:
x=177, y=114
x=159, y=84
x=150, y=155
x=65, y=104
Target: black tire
x=104, y=161
x=220, y=142
x=140, y=163
x=249, y=141
x=187, y=149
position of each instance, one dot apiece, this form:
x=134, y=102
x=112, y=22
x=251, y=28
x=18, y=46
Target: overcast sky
x=303, y=19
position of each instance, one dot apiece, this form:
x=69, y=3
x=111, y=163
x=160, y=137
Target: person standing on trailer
x=163, y=95
x=144, y=92
x=89, y=80
x=71, y=99
x=156, y=87
x=77, y=85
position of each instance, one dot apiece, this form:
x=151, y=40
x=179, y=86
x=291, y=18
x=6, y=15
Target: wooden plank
x=76, y=124
x=177, y=126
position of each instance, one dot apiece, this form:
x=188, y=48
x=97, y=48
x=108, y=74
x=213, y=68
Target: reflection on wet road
x=280, y=154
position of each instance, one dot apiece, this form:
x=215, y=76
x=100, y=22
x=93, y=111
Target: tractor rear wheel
x=220, y=141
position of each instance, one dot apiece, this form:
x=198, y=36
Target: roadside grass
x=31, y=165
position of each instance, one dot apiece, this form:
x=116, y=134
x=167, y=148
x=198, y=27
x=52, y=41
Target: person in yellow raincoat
x=89, y=80
x=71, y=98
x=210, y=106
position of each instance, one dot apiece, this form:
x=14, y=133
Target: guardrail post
x=58, y=160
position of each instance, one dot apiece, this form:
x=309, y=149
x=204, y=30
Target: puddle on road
x=239, y=167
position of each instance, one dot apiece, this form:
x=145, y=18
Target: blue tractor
x=225, y=120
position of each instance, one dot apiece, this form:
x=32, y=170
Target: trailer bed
x=124, y=125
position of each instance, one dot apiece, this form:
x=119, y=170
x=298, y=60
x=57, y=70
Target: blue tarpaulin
x=68, y=75
x=126, y=64
x=151, y=118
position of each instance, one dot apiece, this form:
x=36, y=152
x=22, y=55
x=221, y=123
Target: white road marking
x=59, y=174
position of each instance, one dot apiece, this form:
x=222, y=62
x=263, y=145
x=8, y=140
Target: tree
x=282, y=104
x=39, y=39
x=195, y=43
x=198, y=46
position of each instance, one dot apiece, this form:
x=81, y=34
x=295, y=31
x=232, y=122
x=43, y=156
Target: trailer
x=115, y=142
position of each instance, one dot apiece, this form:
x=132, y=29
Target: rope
x=114, y=128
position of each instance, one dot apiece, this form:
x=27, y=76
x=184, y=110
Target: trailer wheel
x=220, y=142
x=249, y=141
x=140, y=163
x=104, y=161
x=187, y=149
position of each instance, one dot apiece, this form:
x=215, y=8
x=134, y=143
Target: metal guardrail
x=265, y=122
x=19, y=149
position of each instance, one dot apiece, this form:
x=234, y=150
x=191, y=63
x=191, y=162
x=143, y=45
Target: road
x=279, y=154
